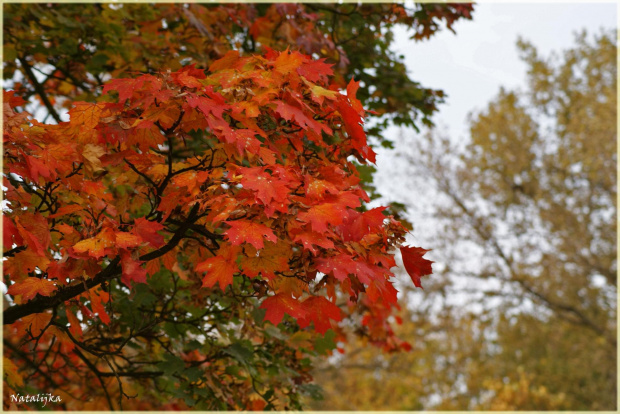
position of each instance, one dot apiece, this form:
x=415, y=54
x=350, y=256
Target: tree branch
x=42, y=303
x=39, y=89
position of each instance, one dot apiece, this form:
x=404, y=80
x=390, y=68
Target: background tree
x=191, y=238
x=522, y=314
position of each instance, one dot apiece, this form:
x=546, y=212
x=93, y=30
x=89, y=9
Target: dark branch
x=39, y=89
x=42, y=303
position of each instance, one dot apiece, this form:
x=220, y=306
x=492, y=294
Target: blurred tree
x=521, y=312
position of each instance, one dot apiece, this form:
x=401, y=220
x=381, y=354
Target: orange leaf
x=221, y=268
x=75, y=328
x=25, y=262
x=30, y=287
x=226, y=62
x=69, y=209
x=11, y=373
x=317, y=188
x=125, y=240
x=288, y=62
x=86, y=114
x=98, y=298
x=95, y=246
x=272, y=258
x=245, y=231
x=36, y=322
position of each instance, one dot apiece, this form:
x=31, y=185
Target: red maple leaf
x=343, y=264
x=245, y=231
x=320, y=311
x=147, y=230
x=207, y=105
x=316, y=188
x=124, y=87
x=353, y=126
x=266, y=186
x=280, y=304
x=35, y=232
x=132, y=269
x=415, y=264
x=305, y=121
x=360, y=224
x=352, y=88
x=244, y=140
x=315, y=70
x=309, y=239
x=382, y=288
x=10, y=234
x=322, y=215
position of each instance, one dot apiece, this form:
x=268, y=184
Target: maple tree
x=195, y=231
x=240, y=178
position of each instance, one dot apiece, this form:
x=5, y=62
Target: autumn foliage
x=226, y=198
x=196, y=235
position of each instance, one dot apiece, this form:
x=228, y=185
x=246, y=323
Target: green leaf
x=325, y=343
x=259, y=315
x=171, y=364
x=193, y=345
x=143, y=296
x=172, y=330
x=193, y=374
x=241, y=351
x=312, y=390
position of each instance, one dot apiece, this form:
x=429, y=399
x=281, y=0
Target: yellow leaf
x=95, y=246
x=10, y=373
x=36, y=322
x=87, y=114
x=125, y=240
x=91, y=155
